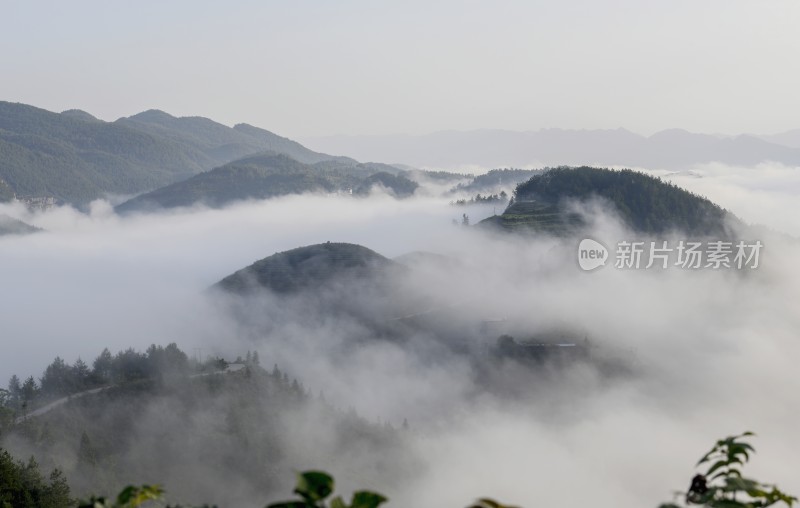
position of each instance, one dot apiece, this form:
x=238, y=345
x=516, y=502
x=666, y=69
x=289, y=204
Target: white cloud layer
x=712, y=353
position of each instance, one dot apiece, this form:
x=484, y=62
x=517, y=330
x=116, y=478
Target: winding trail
x=232, y=367
x=58, y=403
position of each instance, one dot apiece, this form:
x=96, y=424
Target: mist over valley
x=351, y=255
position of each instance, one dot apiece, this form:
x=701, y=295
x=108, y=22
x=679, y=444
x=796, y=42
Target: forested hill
x=220, y=142
x=12, y=226
x=160, y=417
x=307, y=267
x=497, y=180
x=76, y=157
x=6, y=194
x=269, y=175
x=397, y=184
x=645, y=203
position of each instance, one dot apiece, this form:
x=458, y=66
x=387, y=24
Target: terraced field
x=535, y=216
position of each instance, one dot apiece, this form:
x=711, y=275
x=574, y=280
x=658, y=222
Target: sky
x=356, y=67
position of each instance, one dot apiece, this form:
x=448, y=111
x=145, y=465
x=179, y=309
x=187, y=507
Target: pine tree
x=56, y=495
x=23, y=485
x=80, y=375
x=102, y=367
x=14, y=391
x=56, y=377
x=29, y=390
x=86, y=454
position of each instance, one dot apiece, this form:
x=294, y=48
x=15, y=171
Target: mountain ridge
x=667, y=149
x=268, y=175
x=76, y=158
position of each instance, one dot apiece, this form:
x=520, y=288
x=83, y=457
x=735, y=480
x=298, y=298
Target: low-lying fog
x=714, y=351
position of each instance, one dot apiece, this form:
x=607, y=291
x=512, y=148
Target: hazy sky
x=359, y=67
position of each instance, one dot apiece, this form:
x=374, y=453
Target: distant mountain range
x=669, y=149
x=789, y=138
x=76, y=158
x=168, y=161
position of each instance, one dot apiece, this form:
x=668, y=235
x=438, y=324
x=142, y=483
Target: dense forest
x=61, y=379
x=645, y=203
x=23, y=485
x=6, y=193
x=161, y=417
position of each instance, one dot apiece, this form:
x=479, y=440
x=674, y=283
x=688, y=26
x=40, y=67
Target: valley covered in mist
x=360, y=254
x=413, y=339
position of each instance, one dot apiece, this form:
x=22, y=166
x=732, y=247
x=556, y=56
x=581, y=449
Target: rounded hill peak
x=306, y=268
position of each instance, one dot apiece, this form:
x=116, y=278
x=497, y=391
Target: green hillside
x=645, y=203
x=76, y=158
x=258, y=177
x=160, y=417
x=534, y=216
x=219, y=142
x=307, y=268
x=265, y=176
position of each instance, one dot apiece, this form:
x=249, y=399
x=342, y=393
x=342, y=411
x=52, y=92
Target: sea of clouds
x=712, y=352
